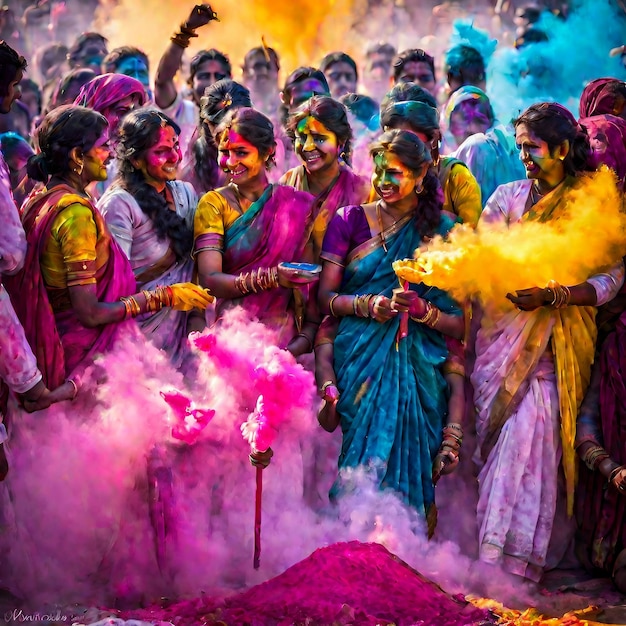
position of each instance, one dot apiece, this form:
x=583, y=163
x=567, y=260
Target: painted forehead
x=231, y=139
x=311, y=126
x=386, y=159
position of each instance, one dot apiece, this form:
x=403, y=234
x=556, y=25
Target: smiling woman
x=245, y=230
x=323, y=137
x=150, y=214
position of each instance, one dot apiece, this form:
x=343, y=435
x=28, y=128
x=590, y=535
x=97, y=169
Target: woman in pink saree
x=76, y=297
x=243, y=231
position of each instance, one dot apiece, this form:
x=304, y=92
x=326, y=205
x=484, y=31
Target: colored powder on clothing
x=497, y=259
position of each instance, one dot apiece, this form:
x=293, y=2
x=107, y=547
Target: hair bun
x=37, y=168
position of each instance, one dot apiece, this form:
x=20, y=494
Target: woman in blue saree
x=390, y=350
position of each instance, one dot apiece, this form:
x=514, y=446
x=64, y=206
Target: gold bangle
x=427, y=315
x=73, y=383
x=330, y=305
x=432, y=322
x=326, y=384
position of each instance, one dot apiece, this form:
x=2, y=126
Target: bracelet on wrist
x=615, y=472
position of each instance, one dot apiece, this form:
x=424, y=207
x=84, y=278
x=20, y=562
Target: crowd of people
x=145, y=219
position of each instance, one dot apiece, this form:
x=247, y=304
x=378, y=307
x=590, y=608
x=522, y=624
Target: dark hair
x=117, y=56
x=554, y=124
x=465, y=64
x=405, y=92
x=67, y=127
x=329, y=112
x=10, y=63
x=338, y=57
x=414, y=154
x=380, y=47
x=299, y=75
x=220, y=97
x=271, y=56
x=363, y=108
x=74, y=78
x=208, y=55
x=137, y=133
x=253, y=126
x=412, y=55
x=408, y=103
x=76, y=48
x=51, y=56
x=530, y=35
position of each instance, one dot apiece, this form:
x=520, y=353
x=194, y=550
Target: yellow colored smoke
x=497, y=259
x=301, y=31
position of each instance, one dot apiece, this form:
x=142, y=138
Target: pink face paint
x=159, y=163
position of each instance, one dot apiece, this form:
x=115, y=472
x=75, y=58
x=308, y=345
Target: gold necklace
x=380, y=225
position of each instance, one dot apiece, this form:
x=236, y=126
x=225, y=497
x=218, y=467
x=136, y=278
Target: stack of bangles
x=430, y=318
x=452, y=439
x=362, y=306
x=257, y=280
x=182, y=37
x=560, y=294
x=155, y=301
x=594, y=456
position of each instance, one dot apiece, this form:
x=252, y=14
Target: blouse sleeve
x=209, y=223
x=76, y=232
x=608, y=284
x=337, y=240
x=464, y=194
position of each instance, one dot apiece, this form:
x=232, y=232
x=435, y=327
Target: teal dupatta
x=393, y=401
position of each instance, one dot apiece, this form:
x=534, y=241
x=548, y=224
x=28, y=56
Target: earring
x=419, y=188
x=78, y=170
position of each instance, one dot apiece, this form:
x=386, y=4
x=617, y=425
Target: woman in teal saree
x=391, y=372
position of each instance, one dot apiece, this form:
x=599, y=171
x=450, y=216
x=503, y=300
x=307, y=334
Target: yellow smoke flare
x=301, y=31
x=497, y=259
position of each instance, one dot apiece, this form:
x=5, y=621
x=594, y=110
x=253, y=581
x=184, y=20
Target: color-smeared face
x=392, y=180
x=341, y=79
x=159, y=163
x=91, y=55
x=420, y=73
x=96, y=159
x=316, y=145
x=303, y=90
x=208, y=73
x=118, y=110
x=466, y=121
x=535, y=154
x=135, y=67
x=13, y=93
x=239, y=158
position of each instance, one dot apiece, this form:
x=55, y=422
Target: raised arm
x=165, y=91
